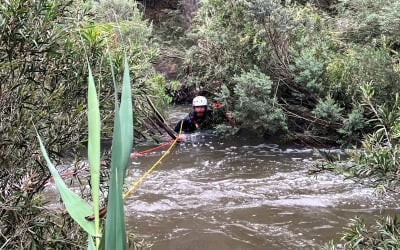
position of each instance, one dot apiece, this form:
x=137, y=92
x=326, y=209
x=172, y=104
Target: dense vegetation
x=44, y=49
x=318, y=72
x=296, y=68
x=384, y=234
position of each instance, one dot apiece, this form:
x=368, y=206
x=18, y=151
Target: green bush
x=311, y=48
x=385, y=234
x=40, y=74
x=254, y=103
x=353, y=126
x=377, y=160
x=368, y=21
x=307, y=53
x=328, y=109
x=358, y=65
x=218, y=56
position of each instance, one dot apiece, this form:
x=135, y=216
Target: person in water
x=200, y=118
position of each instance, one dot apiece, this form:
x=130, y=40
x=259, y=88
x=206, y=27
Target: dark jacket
x=191, y=122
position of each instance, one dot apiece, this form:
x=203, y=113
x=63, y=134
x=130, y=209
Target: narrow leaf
x=94, y=148
x=75, y=205
x=126, y=116
x=115, y=232
x=91, y=245
x=113, y=78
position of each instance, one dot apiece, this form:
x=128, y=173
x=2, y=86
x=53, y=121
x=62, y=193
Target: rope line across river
x=103, y=211
x=73, y=172
x=154, y=165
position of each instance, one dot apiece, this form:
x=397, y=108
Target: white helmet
x=199, y=101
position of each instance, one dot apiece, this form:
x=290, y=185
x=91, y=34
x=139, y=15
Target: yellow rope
x=127, y=193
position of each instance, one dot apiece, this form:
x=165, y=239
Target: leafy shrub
x=377, y=161
x=347, y=72
x=218, y=56
x=328, y=109
x=385, y=234
x=254, y=103
x=41, y=82
x=37, y=227
x=311, y=48
x=352, y=126
x=369, y=21
x=308, y=67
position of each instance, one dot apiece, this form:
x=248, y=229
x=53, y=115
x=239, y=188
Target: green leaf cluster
x=328, y=109
x=377, y=160
x=309, y=54
x=114, y=235
x=384, y=234
x=255, y=106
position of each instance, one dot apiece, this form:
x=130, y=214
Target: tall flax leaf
x=126, y=115
x=115, y=232
x=75, y=205
x=115, y=236
x=94, y=149
x=91, y=245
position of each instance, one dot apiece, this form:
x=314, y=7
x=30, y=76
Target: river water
x=243, y=193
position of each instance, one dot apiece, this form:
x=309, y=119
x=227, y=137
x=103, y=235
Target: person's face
x=200, y=111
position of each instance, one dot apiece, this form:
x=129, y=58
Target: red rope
x=132, y=156
x=151, y=149
x=65, y=174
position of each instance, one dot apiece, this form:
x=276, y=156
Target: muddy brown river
x=243, y=193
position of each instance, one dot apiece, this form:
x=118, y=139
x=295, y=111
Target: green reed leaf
x=115, y=231
x=94, y=149
x=75, y=205
x=91, y=245
x=126, y=115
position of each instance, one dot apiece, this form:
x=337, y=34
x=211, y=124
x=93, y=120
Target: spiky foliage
x=384, y=234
